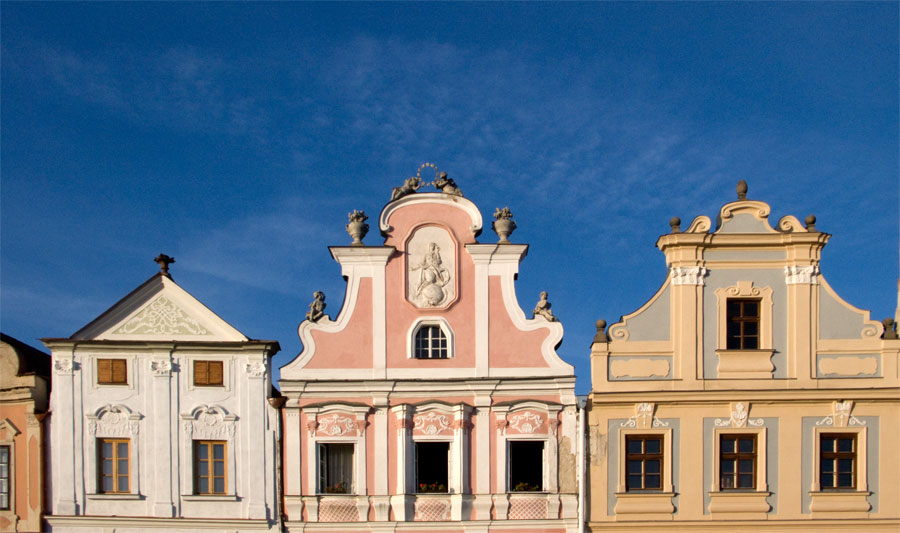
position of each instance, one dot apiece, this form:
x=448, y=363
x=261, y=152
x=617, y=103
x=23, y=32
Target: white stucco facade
x=162, y=418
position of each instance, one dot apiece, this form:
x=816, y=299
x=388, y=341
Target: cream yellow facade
x=812, y=390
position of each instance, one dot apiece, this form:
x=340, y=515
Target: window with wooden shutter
x=208, y=373
x=112, y=372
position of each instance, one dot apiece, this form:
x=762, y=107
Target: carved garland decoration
x=526, y=422
x=841, y=416
x=431, y=423
x=162, y=317
x=688, y=275
x=209, y=422
x=114, y=421
x=740, y=417
x=801, y=275
x=335, y=425
x=644, y=418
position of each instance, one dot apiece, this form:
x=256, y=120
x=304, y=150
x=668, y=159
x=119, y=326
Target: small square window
x=335, y=468
x=112, y=372
x=432, y=459
x=114, y=468
x=742, y=324
x=643, y=462
x=210, y=472
x=208, y=373
x=526, y=465
x=837, y=461
x=737, y=462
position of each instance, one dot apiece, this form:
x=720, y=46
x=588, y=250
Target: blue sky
x=237, y=137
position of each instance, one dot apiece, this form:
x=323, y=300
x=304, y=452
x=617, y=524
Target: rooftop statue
x=446, y=185
x=317, y=307
x=542, y=308
x=410, y=185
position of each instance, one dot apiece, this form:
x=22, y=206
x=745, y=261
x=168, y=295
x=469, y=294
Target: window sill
x=745, y=364
x=635, y=505
x=835, y=503
x=209, y=497
x=743, y=504
x=114, y=496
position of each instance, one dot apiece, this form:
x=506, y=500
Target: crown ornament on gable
x=441, y=182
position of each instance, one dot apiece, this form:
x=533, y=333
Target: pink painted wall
x=334, y=350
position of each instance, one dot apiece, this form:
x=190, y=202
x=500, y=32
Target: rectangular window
x=526, y=465
x=335, y=468
x=210, y=475
x=837, y=461
x=643, y=462
x=208, y=373
x=4, y=477
x=112, y=372
x=743, y=324
x=432, y=459
x=737, y=462
x=113, y=458
x=431, y=343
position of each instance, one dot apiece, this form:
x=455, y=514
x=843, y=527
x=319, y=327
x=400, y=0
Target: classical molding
x=740, y=417
x=457, y=202
x=114, y=421
x=209, y=422
x=644, y=417
x=688, y=275
x=162, y=317
x=801, y=275
x=841, y=416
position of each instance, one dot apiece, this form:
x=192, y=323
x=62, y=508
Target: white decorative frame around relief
x=113, y=421
x=208, y=422
x=520, y=417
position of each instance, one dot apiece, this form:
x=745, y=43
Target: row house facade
x=430, y=402
x=24, y=399
x=160, y=419
x=745, y=392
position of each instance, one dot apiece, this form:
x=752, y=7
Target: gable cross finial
x=164, y=261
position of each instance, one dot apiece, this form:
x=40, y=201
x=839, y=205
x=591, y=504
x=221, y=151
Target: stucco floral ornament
x=503, y=224
x=357, y=227
x=526, y=422
x=841, y=416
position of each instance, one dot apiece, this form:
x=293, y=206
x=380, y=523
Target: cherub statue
x=542, y=308
x=410, y=185
x=446, y=185
x=317, y=307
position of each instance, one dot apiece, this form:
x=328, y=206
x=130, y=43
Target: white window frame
x=225, y=431
x=130, y=371
x=227, y=363
x=667, y=460
x=130, y=430
x=862, y=484
x=430, y=321
x=545, y=466
x=7, y=427
x=319, y=444
x=414, y=473
x=548, y=435
x=358, y=413
x=761, y=482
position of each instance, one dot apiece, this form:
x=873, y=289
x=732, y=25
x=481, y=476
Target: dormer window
x=431, y=343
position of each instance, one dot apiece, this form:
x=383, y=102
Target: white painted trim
x=862, y=482
x=761, y=480
x=356, y=263
x=422, y=198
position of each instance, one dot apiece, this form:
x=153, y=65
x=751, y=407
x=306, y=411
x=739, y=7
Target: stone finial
x=675, y=224
x=542, y=308
x=357, y=227
x=810, y=223
x=889, y=331
x=503, y=224
x=600, y=336
x=742, y=190
x=164, y=261
x=316, y=307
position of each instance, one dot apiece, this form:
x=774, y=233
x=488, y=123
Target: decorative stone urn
x=503, y=224
x=357, y=227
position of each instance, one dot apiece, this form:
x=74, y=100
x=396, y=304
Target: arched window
x=430, y=343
